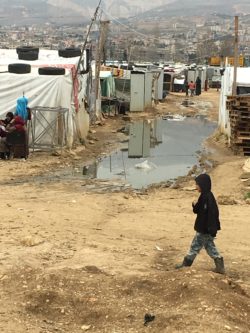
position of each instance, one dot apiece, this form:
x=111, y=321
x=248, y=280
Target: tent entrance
x=48, y=127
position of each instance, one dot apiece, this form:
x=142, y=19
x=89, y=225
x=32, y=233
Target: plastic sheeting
x=243, y=80
x=179, y=81
x=45, y=90
x=107, y=84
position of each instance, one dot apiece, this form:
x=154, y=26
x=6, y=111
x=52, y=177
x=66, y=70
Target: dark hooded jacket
x=207, y=220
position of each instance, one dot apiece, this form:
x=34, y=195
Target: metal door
x=137, y=92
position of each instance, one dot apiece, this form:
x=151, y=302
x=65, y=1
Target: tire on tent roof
x=27, y=49
x=19, y=68
x=69, y=52
x=28, y=55
x=51, y=71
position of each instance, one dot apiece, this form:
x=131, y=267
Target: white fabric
x=179, y=81
x=46, y=57
x=243, y=76
x=105, y=74
x=43, y=90
x=243, y=79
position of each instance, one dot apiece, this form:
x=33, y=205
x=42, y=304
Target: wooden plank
x=243, y=150
x=241, y=117
x=237, y=132
x=234, y=110
x=240, y=122
x=239, y=142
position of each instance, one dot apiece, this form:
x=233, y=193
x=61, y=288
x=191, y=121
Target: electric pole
x=86, y=39
x=236, y=55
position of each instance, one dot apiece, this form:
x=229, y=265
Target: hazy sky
x=27, y=9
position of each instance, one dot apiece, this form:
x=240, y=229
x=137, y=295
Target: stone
x=228, y=328
x=85, y=327
x=31, y=241
x=226, y=200
x=246, y=167
x=189, y=188
x=56, y=153
x=99, y=123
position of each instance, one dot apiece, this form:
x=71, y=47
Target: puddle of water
x=174, y=150
x=174, y=157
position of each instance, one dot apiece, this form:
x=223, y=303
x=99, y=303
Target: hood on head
x=22, y=101
x=204, y=182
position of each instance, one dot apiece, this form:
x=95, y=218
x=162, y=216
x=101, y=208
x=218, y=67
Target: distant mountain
x=68, y=11
x=200, y=7
x=77, y=11
x=126, y=8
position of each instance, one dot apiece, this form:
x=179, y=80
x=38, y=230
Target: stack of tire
x=27, y=53
x=24, y=53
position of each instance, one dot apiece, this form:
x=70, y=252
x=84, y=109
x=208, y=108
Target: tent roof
x=46, y=58
x=33, y=84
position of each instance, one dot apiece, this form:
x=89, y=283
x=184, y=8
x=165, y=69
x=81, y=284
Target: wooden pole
x=99, y=51
x=86, y=39
x=236, y=55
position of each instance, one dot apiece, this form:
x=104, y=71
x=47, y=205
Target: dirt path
x=72, y=260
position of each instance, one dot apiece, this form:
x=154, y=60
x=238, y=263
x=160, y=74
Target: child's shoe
x=186, y=263
x=219, y=265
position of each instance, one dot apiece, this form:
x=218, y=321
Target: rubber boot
x=186, y=263
x=219, y=265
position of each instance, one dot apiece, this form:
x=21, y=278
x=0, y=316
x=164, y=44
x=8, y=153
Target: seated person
x=9, y=116
x=3, y=147
x=17, y=139
x=16, y=124
x=21, y=108
x=4, y=150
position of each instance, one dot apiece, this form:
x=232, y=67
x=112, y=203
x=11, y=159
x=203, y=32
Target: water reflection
x=169, y=150
x=143, y=135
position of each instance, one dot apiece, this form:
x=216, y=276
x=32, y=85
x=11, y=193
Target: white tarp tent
x=243, y=80
x=47, y=90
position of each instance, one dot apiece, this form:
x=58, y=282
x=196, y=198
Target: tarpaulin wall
x=46, y=90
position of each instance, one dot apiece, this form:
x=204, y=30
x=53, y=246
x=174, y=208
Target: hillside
x=78, y=11
x=199, y=7
x=68, y=11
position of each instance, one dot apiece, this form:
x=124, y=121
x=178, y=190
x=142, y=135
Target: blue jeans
x=200, y=241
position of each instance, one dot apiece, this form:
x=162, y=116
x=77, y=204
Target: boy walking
x=206, y=225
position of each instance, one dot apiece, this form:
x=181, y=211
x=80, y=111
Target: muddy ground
x=75, y=260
